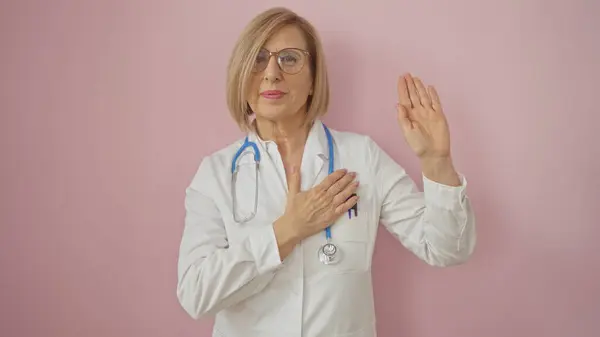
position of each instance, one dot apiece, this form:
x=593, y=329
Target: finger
x=294, y=183
x=412, y=90
x=343, y=196
x=423, y=94
x=435, y=99
x=346, y=205
x=331, y=179
x=403, y=96
x=403, y=118
x=341, y=184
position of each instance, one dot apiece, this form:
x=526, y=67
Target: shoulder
x=216, y=163
x=354, y=142
x=360, y=153
x=366, y=152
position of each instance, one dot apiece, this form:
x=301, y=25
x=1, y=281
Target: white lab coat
x=233, y=271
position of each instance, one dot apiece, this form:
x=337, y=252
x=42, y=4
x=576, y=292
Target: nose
x=272, y=72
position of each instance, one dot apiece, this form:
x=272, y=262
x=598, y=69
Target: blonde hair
x=244, y=54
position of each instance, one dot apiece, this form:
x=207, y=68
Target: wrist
x=440, y=170
x=287, y=236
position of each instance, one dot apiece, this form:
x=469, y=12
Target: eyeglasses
x=290, y=60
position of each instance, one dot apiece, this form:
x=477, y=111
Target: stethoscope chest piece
x=329, y=254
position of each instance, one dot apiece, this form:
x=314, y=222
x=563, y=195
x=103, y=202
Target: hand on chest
x=351, y=233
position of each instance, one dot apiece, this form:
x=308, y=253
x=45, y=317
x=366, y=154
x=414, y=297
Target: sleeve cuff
x=263, y=247
x=445, y=196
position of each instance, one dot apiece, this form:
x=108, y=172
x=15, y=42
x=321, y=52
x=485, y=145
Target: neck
x=289, y=134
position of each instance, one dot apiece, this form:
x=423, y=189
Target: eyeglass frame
x=276, y=54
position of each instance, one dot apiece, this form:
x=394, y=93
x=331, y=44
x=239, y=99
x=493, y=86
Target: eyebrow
x=288, y=47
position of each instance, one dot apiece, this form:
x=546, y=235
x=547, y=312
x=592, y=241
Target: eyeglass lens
x=290, y=61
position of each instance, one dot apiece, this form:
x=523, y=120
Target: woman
x=253, y=250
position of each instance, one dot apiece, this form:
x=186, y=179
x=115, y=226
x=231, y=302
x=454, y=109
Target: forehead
x=289, y=36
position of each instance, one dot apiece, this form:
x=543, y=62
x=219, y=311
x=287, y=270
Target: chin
x=274, y=113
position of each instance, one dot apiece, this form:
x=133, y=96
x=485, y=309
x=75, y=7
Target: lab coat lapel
x=315, y=158
x=271, y=182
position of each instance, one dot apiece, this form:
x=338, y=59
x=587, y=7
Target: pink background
x=107, y=108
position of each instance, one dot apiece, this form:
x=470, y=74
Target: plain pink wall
x=107, y=108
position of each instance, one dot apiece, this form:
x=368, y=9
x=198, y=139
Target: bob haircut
x=245, y=51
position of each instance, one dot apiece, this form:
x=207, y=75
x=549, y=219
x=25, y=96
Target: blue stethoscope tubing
x=247, y=143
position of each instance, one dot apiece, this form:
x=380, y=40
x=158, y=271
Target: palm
x=421, y=118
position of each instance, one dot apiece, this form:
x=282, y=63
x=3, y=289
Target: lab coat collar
x=316, y=142
x=316, y=153
x=316, y=156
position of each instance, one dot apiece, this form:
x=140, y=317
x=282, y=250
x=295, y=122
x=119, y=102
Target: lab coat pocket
x=351, y=235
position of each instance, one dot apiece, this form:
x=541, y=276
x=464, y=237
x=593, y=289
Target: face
x=280, y=90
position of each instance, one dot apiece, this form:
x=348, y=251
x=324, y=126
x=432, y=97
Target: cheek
x=301, y=85
x=253, y=90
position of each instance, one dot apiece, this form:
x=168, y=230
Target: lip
x=272, y=94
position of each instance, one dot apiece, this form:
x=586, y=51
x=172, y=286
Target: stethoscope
x=328, y=253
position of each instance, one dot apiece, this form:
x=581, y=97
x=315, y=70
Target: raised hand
x=422, y=119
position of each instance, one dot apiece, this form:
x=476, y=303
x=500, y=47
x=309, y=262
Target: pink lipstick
x=272, y=94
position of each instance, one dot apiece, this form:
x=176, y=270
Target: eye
x=262, y=56
x=290, y=57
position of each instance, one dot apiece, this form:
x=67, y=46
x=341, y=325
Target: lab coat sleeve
x=437, y=225
x=212, y=274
